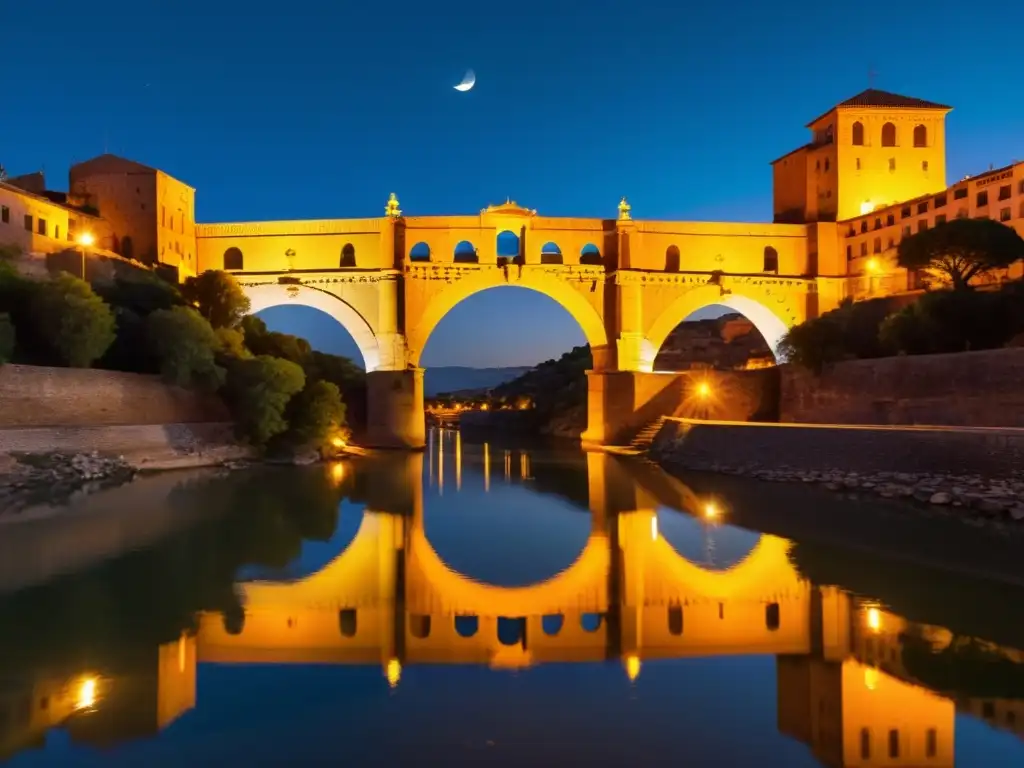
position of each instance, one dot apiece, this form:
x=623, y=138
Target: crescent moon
x=468, y=81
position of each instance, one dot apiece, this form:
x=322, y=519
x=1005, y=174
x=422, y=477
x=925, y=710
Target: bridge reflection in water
x=389, y=599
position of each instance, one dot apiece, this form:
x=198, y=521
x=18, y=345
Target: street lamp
x=85, y=240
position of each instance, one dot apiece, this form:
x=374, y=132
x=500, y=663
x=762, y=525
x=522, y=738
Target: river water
x=490, y=604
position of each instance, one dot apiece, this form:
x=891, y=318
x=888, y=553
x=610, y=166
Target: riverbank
x=977, y=474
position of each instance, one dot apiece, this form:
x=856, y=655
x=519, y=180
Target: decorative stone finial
x=624, y=209
x=392, y=208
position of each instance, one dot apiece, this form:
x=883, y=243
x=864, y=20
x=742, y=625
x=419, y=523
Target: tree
x=185, y=346
x=142, y=294
x=6, y=338
x=962, y=249
x=315, y=414
x=231, y=343
x=258, y=391
x=72, y=320
x=218, y=297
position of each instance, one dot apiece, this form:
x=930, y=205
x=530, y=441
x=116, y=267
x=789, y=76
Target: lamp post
x=85, y=240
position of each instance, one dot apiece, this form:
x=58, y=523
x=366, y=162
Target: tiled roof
x=873, y=97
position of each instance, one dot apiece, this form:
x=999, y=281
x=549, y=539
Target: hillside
x=447, y=379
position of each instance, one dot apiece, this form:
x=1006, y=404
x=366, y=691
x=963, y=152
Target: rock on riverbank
x=987, y=497
x=34, y=478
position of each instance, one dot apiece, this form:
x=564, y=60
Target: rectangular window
x=56, y=232
x=28, y=222
x=905, y=212
x=1005, y=192
x=983, y=198
x=5, y=214
x=878, y=245
x=851, y=231
x=960, y=194
x=940, y=201
x=1004, y=214
x=890, y=220
x=892, y=163
x=864, y=248
x=894, y=743
x=41, y=226
x=922, y=207
x=878, y=223
x=864, y=225
x=892, y=243
x=1021, y=189
x=906, y=230
x=849, y=252
x=940, y=219
x=922, y=225
x=931, y=742
x=163, y=216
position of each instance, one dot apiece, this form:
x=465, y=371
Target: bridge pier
x=395, y=417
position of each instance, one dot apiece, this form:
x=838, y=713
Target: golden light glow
x=873, y=617
x=633, y=667
x=393, y=672
x=86, y=239
x=874, y=265
x=487, y=467
x=484, y=406
x=711, y=511
x=654, y=527
x=703, y=390
x=866, y=207
x=870, y=678
x=337, y=472
x=86, y=693
x=338, y=442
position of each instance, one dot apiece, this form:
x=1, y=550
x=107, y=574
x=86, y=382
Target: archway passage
x=714, y=337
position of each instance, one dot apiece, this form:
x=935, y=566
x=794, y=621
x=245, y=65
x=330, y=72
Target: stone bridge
x=390, y=280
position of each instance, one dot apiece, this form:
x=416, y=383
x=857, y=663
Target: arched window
x=465, y=253
x=127, y=247
x=858, y=134
x=865, y=744
x=591, y=254
x=771, y=616
x=771, y=260
x=920, y=136
x=552, y=623
x=347, y=622
x=466, y=626
x=591, y=622
x=348, y=255
x=672, y=258
x=419, y=252
x=888, y=135
x=233, y=258
x=508, y=245
x=550, y=254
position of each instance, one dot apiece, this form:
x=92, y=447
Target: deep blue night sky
x=320, y=109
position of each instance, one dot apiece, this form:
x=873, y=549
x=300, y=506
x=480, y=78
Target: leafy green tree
x=185, y=346
x=954, y=321
x=262, y=341
x=231, y=343
x=143, y=293
x=962, y=249
x=6, y=338
x=258, y=391
x=72, y=320
x=218, y=297
x=315, y=414
x=851, y=331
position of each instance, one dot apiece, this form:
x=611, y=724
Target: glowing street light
x=703, y=390
x=86, y=694
x=874, y=266
x=711, y=511
x=85, y=240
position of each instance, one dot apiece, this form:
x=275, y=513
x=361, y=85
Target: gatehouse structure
x=872, y=172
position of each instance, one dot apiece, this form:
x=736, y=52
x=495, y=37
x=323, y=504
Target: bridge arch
x=772, y=325
x=554, y=287
x=269, y=295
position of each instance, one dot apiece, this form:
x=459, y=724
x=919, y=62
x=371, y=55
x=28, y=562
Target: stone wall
x=723, y=446
x=35, y=396
x=981, y=389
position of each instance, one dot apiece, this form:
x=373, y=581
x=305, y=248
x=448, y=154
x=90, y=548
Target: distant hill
x=457, y=378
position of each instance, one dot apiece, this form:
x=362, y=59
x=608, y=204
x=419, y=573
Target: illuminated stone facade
x=873, y=171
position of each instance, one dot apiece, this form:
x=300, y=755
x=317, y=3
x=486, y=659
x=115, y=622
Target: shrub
x=142, y=293
x=231, y=344
x=184, y=344
x=217, y=297
x=952, y=321
x=6, y=338
x=258, y=391
x=850, y=331
x=72, y=320
x=315, y=414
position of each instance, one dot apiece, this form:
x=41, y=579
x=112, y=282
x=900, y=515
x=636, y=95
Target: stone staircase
x=642, y=442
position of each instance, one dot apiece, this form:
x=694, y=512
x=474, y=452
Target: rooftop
x=872, y=97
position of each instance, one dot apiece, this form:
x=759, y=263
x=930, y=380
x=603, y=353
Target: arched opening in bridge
x=520, y=347
x=467, y=626
x=550, y=253
x=508, y=246
x=590, y=255
x=419, y=252
x=716, y=336
x=465, y=253
x=348, y=256
x=337, y=344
